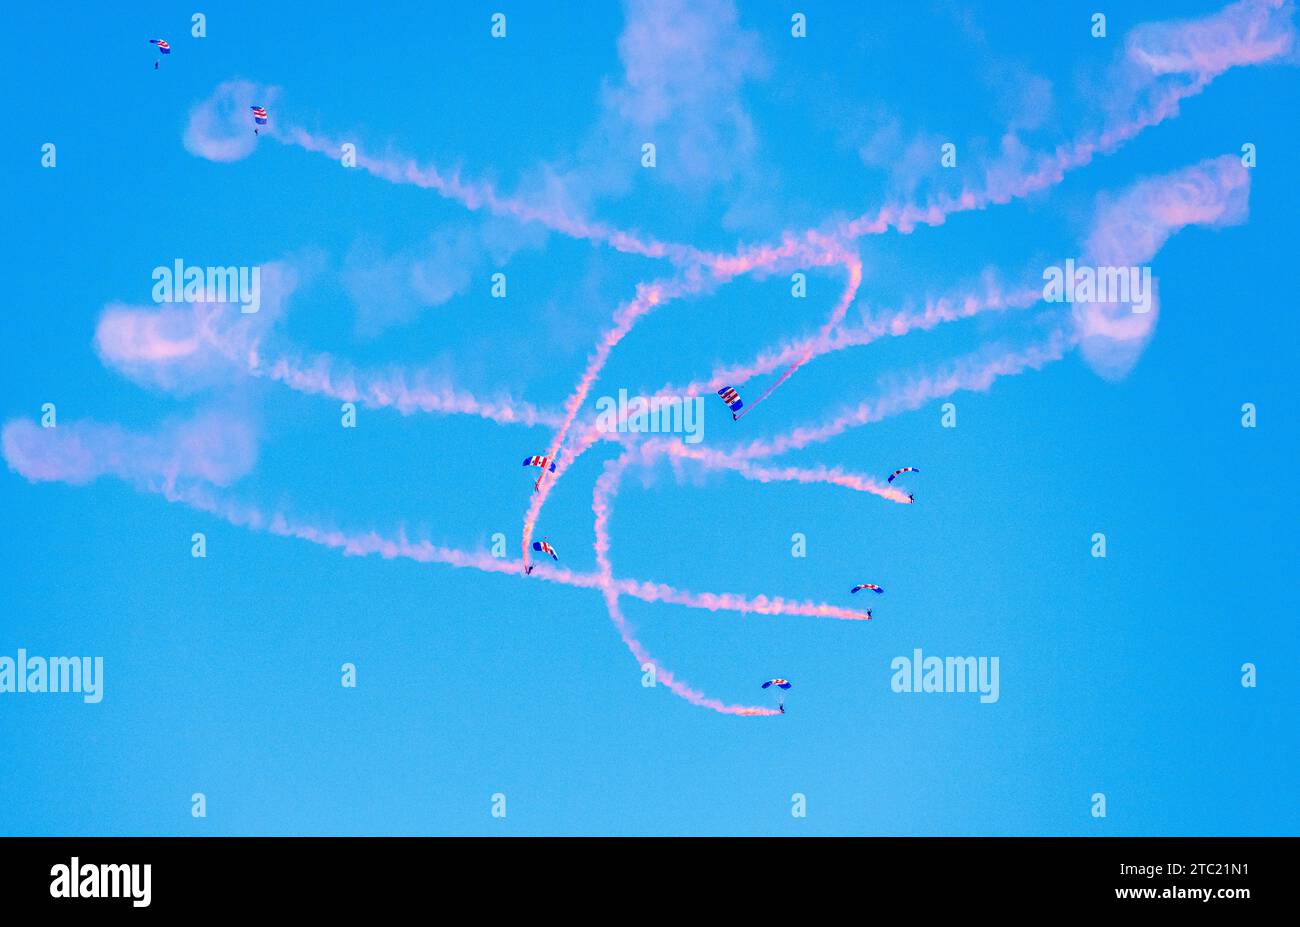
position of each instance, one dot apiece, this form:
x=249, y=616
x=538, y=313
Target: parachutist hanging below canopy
x=781, y=686
x=910, y=497
x=546, y=463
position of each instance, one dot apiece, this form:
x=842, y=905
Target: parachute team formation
x=896, y=473
x=781, y=686
x=163, y=49
x=729, y=396
x=698, y=272
x=546, y=464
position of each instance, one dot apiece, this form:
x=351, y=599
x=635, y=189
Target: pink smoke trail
x=181, y=462
x=647, y=452
x=647, y=297
x=215, y=445
x=890, y=324
x=481, y=195
x=1249, y=32
x=900, y=323
x=831, y=476
x=606, y=484
x=316, y=377
x=180, y=347
x=813, y=248
x=372, y=543
x=837, y=315
x=1204, y=63
x=970, y=374
x=1252, y=36
x=943, y=309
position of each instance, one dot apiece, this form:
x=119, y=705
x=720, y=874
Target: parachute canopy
x=259, y=115
x=902, y=470
x=872, y=586
x=731, y=398
x=162, y=45
x=779, y=683
x=545, y=548
x=538, y=461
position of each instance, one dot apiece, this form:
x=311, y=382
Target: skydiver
x=911, y=498
x=782, y=707
x=868, y=613
x=155, y=65
x=528, y=570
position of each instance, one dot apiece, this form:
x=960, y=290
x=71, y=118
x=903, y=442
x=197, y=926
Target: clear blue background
x=222, y=675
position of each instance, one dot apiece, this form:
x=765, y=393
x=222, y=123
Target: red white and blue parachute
x=546, y=464
x=778, y=687
x=901, y=470
x=872, y=586
x=259, y=115
x=546, y=548
x=732, y=399
x=163, y=47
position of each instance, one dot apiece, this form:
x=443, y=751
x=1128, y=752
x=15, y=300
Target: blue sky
x=1119, y=675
